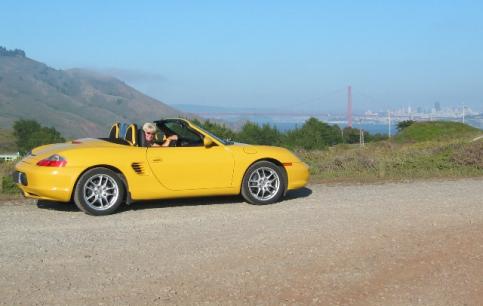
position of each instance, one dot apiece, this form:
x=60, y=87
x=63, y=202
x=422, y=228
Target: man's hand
x=169, y=139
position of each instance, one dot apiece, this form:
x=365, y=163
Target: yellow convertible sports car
x=100, y=174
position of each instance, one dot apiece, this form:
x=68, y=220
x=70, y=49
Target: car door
x=192, y=167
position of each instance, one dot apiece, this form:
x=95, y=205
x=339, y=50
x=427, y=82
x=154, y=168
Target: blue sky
x=293, y=54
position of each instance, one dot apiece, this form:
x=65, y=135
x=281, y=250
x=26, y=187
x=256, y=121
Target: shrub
x=469, y=155
x=314, y=134
x=404, y=124
x=219, y=130
x=262, y=135
x=8, y=185
x=30, y=134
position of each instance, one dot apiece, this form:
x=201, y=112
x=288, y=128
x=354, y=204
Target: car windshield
x=223, y=141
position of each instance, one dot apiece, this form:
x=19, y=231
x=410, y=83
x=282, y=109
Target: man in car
x=150, y=130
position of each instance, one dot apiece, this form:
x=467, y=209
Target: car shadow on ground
x=59, y=206
x=297, y=194
x=219, y=200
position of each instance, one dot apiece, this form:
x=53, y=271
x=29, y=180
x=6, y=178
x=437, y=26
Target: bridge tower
x=349, y=106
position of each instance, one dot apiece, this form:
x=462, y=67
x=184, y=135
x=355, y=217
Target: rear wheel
x=99, y=192
x=263, y=183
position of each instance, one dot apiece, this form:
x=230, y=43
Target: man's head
x=149, y=131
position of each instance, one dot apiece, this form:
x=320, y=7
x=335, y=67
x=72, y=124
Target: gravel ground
x=415, y=243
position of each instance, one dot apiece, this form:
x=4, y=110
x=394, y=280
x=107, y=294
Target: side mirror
x=208, y=142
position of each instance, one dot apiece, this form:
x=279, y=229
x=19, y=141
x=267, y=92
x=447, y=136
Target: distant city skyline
x=291, y=55
x=436, y=109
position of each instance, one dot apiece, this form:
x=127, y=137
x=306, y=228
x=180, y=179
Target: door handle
x=157, y=160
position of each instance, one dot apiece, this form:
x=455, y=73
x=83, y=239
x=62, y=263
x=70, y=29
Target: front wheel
x=99, y=191
x=263, y=183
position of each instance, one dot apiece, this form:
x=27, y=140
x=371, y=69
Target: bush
x=219, y=130
x=351, y=135
x=30, y=134
x=314, y=134
x=261, y=135
x=469, y=155
x=8, y=185
x=404, y=124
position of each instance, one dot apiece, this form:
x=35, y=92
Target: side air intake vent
x=138, y=168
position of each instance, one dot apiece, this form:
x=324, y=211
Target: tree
x=314, y=134
x=23, y=128
x=17, y=52
x=375, y=137
x=30, y=134
x=263, y=135
x=219, y=130
x=351, y=135
x=404, y=124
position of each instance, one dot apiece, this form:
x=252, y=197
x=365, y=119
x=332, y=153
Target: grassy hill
x=76, y=102
x=435, y=131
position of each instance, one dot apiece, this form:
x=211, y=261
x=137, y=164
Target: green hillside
x=76, y=102
x=435, y=131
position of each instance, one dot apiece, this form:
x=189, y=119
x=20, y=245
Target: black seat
x=131, y=134
x=141, y=138
x=114, y=132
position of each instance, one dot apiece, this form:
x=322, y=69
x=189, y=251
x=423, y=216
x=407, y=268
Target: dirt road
x=394, y=244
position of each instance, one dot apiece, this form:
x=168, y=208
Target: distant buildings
x=437, y=106
x=436, y=112
x=460, y=113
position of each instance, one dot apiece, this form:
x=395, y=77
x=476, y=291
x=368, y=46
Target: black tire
x=93, y=190
x=259, y=176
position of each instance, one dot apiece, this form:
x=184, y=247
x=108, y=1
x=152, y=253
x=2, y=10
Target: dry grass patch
x=396, y=161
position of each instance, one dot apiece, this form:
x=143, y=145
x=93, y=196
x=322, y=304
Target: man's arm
x=168, y=140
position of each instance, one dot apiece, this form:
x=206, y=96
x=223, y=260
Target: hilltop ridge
x=437, y=131
x=76, y=102
x=16, y=52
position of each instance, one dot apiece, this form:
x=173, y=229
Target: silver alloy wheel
x=100, y=192
x=263, y=183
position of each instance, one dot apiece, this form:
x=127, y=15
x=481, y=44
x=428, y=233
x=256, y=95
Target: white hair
x=149, y=127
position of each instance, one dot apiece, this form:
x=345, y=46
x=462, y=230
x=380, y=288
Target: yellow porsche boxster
x=101, y=174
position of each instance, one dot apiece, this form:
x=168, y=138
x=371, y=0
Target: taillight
x=53, y=161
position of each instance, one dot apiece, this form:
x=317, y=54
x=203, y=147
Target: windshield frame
x=197, y=129
x=226, y=142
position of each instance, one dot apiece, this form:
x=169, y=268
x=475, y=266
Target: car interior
x=187, y=137
x=130, y=134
